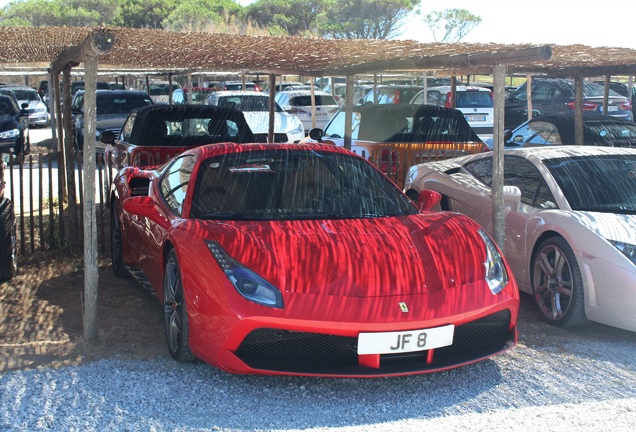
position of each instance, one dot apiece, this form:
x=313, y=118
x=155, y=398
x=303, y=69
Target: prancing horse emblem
x=404, y=307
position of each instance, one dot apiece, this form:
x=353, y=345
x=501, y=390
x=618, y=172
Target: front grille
x=278, y=137
x=314, y=353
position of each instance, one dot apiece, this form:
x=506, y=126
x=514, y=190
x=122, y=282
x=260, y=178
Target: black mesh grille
x=278, y=137
x=313, y=353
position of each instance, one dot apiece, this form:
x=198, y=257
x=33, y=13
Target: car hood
x=111, y=121
x=7, y=122
x=611, y=226
x=259, y=122
x=396, y=256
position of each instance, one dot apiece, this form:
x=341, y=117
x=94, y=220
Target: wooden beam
x=97, y=42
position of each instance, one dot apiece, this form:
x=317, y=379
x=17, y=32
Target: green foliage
x=366, y=19
x=452, y=24
x=143, y=13
x=294, y=17
x=201, y=15
x=38, y=13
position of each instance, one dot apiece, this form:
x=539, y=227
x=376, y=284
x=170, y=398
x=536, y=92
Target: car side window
x=174, y=182
x=127, y=129
x=481, y=169
x=523, y=174
x=544, y=198
x=544, y=92
x=537, y=132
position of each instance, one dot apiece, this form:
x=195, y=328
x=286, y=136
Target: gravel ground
x=578, y=380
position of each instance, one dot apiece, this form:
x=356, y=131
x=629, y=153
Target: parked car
x=556, y=95
x=194, y=95
x=8, y=243
x=623, y=90
x=117, y=85
x=79, y=85
x=255, y=108
x=298, y=103
x=475, y=102
x=159, y=91
x=35, y=107
x=111, y=109
x=359, y=92
x=291, y=259
x=14, y=127
x=569, y=222
x=237, y=85
x=43, y=90
x=558, y=129
x=153, y=134
x=392, y=94
x=394, y=137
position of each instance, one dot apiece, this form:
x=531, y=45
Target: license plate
x=611, y=108
x=475, y=118
x=405, y=341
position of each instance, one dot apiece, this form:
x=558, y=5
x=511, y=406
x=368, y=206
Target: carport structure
x=58, y=49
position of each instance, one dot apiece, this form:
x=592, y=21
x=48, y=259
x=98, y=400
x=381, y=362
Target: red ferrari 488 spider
x=304, y=259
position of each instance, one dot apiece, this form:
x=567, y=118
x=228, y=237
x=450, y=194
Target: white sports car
x=570, y=224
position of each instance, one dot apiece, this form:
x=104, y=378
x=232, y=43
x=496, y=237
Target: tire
x=8, y=243
x=557, y=284
x=175, y=315
x=116, y=244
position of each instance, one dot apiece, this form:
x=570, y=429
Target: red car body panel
x=337, y=277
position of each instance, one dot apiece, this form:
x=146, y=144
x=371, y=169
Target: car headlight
x=629, y=250
x=496, y=275
x=13, y=133
x=248, y=284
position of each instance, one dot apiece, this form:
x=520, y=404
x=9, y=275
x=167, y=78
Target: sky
x=563, y=22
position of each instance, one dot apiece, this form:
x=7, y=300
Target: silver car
x=37, y=110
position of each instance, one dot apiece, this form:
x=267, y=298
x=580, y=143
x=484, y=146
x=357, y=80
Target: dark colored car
x=14, y=127
x=556, y=95
x=8, y=244
x=79, y=85
x=558, y=129
x=112, y=109
x=153, y=134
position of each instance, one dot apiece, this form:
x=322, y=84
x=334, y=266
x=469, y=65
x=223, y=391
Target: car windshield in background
x=319, y=99
x=247, y=103
x=470, y=99
x=115, y=104
x=26, y=95
x=275, y=185
x=597, y=183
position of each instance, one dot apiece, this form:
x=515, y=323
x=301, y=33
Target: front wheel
x=175, y=316
x=557, y=284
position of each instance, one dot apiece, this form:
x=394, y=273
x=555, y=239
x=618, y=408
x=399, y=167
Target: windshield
x=294, y=185
x=247, y=103
x=26, y=95
x=604, y=183
x=120, y=104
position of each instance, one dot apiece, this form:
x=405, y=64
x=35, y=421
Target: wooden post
x=499, y=80
x=529, y=95
x=67, y=145
x=453, y=92
x=272, y=108
x=348, y=111
x=313, y=105
x=578, y=110
x=169, y=88
x=606, y=90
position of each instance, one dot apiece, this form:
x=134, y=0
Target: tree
x=456, y=24
x=295, y=17
x=202, y=15
x=366, y=19
x=144, y=13
x=38, y=13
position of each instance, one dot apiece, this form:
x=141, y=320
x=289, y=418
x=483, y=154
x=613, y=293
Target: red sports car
x=304, y=259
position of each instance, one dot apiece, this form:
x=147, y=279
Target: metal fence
x=42, y=213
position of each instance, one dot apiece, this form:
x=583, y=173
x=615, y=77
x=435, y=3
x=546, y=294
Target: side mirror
x=507, y=135
x=107, y=137
x=316, y=134
x=428, y=199
x=512, y=197
x=144, y=206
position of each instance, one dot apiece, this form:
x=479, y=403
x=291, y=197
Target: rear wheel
x=8, y=243
x=175, y=311
x=557, y=284
x=116, y=243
